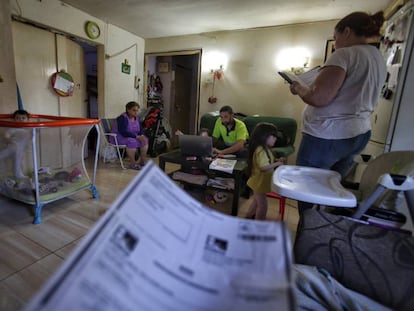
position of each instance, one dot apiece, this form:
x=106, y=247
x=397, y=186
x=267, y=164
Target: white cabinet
x=380, y=120
x=374, y=149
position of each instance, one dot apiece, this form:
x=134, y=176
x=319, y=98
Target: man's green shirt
x=239, y=132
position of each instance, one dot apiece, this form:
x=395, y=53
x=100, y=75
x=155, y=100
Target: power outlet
x=136, y=82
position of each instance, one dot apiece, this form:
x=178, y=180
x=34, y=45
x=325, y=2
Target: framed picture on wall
x=329, y=48
x=126, y=68
x=163, y=67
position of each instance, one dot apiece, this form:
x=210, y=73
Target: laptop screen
x=195, y=145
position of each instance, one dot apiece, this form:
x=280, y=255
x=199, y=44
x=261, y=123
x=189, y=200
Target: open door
x=179, y=73
x=180, y=108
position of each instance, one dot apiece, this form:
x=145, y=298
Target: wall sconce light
x=217, y=74
x=295, y=59
x=301, y=69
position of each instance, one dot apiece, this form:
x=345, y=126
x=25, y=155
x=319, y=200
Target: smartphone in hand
x=285, y=76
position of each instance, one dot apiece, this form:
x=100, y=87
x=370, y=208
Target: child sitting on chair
x=16, y=140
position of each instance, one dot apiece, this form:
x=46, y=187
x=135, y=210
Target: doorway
x=176, y=90
x=91, y=71
x=91, y=99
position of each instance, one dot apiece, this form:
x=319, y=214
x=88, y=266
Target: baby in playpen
x=16, y=141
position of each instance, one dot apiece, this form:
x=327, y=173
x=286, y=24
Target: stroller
x=157, y=129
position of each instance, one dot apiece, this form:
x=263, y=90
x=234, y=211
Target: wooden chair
x=106, y=126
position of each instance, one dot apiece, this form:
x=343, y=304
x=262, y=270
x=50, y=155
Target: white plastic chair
x=106, y=128
x=388, y=172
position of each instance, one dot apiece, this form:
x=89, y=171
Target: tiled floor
x=29, y=253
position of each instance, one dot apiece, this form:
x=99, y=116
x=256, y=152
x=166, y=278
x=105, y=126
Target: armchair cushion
x=287, y=128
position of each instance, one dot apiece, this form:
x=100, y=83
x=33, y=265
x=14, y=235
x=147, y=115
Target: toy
x=210, y=199
x=75, y=175
x=44, y=170
x=220, y=196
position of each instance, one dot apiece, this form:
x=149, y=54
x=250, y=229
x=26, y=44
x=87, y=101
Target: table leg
x=236, y=194
x=161, y=163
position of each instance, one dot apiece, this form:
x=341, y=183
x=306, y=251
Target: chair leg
x=282, y=203
x=120, y=157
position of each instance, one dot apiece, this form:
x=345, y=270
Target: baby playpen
x=52, y=165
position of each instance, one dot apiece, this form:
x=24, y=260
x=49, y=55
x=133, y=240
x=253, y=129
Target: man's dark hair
x=226, y=109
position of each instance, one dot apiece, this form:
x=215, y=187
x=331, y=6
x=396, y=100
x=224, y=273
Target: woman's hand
x=142, y=139
x=293, y=88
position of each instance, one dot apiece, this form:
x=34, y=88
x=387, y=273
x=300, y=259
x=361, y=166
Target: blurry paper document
x=305, y=78
x=224, y=165
x=158, y=249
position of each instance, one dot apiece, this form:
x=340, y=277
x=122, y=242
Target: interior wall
x=251, y=84
x=115, y=88
x=120, y=87
x=35, y=53
x=8, y=97
x=39, y=53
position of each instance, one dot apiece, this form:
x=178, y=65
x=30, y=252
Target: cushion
x=371, y=260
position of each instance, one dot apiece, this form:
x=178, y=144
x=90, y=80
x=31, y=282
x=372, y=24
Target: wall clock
x=92, y=30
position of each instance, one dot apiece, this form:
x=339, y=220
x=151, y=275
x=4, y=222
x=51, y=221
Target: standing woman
x=129, y=133
x=337, y=117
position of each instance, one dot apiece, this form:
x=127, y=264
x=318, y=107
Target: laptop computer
x=195, y=145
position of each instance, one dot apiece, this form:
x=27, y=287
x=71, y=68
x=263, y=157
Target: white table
x=313, y=185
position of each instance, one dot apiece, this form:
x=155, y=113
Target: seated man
x=232, y=132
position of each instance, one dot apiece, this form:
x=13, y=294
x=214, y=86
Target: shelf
x=198, y=185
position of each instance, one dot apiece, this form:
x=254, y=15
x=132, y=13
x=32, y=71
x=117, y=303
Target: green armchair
x=287, y=128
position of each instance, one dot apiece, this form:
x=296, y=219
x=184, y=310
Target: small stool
x=282, y=203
